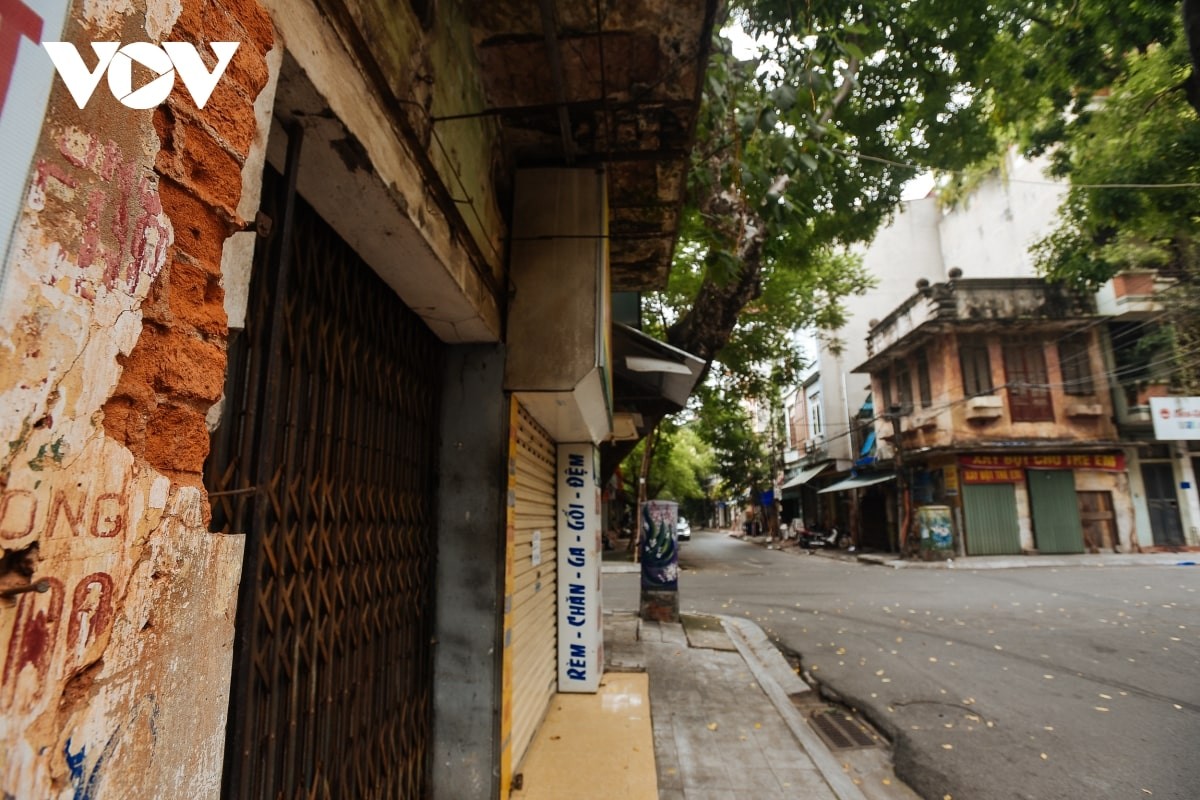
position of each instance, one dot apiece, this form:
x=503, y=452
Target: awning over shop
x=806, y=475
x=857, y=482
x=650, y=379
x=655, y=369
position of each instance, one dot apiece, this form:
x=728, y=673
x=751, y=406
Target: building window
x=1074, y=359
x=1028, y=387
x=885, y=390
x=923, y=384
x=814, y=415
x=976, y=367
x=904, y=387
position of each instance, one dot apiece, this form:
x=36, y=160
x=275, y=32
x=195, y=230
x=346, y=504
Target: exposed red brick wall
x=176, y=371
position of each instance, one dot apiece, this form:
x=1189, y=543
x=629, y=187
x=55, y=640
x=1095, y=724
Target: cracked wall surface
x=114, y=681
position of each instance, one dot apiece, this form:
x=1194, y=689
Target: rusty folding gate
x=326, y=459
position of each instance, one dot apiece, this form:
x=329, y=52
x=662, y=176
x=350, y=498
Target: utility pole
x=893, y=416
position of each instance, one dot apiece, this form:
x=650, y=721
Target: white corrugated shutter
x=534, y=617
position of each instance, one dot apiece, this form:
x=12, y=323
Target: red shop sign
x=1108, y=462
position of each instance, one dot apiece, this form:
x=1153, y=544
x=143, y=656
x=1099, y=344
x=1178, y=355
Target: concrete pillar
x=1185, y=487
x=470, y=576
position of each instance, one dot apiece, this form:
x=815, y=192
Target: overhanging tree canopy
x=803, y=149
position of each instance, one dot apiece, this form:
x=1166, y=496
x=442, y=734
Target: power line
x=1063, y=184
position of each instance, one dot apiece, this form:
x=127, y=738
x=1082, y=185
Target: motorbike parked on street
x=813, y=538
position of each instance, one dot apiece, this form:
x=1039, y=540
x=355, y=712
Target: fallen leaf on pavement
x=712, y=726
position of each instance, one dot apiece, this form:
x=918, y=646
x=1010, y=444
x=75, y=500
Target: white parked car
x=683, y=531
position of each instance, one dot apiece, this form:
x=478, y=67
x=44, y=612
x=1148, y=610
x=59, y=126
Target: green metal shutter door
x=991, y=511
x=1056, y=526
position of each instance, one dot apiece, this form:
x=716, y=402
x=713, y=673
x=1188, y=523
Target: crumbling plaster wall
x=114, y=681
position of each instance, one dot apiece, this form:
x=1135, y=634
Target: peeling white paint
x=158, y=492
x=137, y=582
x=106, y=15
x=161, y=18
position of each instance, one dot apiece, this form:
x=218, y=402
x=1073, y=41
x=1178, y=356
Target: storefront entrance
x=1163, y=504
x=991, y=517
x=1056, y=527
x=325, y=458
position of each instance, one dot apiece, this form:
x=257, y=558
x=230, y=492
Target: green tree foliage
x=680, y=464
x=802, y=153
x=743, y=456
x=1143, y=134
x=803, y=150
x=1123, y=127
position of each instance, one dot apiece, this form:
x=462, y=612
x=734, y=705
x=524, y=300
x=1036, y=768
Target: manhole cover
x=841, y=731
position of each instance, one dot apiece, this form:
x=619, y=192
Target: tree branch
x=849, y=76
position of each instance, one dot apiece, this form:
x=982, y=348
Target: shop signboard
x=580, y=624
x=1175, y=418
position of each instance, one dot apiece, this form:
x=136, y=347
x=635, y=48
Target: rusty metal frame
x=326, y=460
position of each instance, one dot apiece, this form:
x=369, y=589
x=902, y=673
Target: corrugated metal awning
x=806, y=475
x=857, y=482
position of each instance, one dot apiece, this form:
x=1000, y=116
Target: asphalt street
x=1032, y=683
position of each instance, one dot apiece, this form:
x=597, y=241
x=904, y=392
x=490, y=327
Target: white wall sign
x=580, y=633
x=25, y=78
x=1175, y=417
x=536, y=556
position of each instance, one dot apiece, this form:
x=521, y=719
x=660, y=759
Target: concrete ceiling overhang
x=612, y=83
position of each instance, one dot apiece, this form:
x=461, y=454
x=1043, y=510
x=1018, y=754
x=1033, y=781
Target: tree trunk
x=707, y=326
x=1191, y=30
x=643, y=479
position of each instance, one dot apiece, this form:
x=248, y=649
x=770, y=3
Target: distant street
x=1033, y=683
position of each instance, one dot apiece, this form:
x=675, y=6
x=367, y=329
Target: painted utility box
x=659, y=553
x=936, y=528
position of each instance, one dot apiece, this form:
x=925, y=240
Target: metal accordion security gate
x=326, y=459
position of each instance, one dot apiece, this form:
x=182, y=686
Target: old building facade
x=994, y=396
x=295, y=379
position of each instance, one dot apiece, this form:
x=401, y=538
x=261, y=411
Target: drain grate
x=841, y=731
